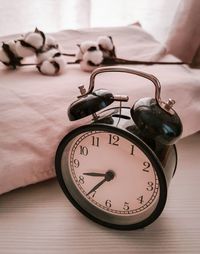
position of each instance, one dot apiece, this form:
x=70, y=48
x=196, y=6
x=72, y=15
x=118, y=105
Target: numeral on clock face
x=95, y=141
x=113, y=140
x=132, y=149
x=76, y=163
x=146, y=166
x=83, y=150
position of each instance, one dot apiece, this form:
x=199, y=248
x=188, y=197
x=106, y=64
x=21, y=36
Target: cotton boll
x=91, y=60
x=8, y=55
x=35, y=39
x=86, y=45
x=96, y=57
x=105, y=42
x=23, y=51
x=12, y=46
x=47, y=68
x=46, y=55
x=106, y=46
x=53, y=66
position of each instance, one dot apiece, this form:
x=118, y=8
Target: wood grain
x=39, y=219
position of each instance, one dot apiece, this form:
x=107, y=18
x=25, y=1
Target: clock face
x=110, y=177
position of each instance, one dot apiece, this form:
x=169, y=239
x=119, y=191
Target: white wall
x=19, y=16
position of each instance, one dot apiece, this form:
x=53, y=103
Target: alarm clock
x=117, y=168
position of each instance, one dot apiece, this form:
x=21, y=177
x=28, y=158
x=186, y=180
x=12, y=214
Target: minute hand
x=109, y=175
x=97, y=186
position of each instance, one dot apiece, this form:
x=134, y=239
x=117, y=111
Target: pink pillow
x=184, y=38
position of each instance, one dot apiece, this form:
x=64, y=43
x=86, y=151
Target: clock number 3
x=150, y=186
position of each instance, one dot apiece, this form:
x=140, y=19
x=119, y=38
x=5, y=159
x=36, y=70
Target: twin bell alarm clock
x=116, y=170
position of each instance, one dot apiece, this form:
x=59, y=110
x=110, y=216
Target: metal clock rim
x=148, y=152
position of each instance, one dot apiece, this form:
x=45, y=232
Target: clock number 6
x=108, y=203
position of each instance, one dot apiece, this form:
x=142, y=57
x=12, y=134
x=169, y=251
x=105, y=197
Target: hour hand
x=94, y=174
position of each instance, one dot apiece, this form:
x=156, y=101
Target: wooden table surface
x=39, y=219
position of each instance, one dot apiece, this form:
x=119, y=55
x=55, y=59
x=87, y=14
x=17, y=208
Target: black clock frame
x=138, y=142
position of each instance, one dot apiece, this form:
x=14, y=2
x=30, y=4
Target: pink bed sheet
x=33, y=107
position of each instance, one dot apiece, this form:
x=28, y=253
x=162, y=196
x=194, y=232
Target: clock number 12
x=113, y=140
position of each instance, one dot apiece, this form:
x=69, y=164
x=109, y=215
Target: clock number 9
x=76, y=163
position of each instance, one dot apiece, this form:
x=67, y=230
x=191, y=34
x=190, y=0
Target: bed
x=33, y=107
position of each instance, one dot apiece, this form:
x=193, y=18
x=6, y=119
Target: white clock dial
x=112, y=174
